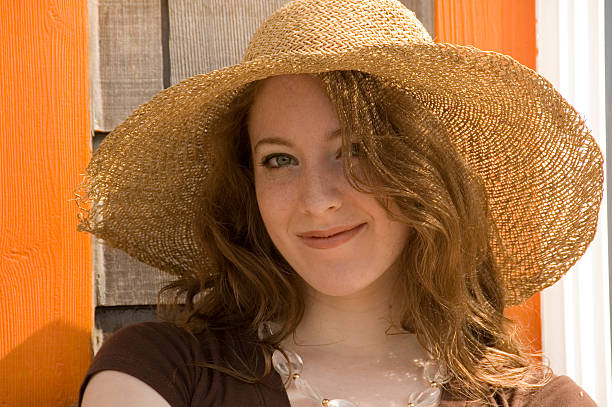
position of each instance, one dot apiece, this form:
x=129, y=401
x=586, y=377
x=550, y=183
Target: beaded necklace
x=289, y=366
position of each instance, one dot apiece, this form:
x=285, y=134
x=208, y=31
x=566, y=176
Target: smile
x=330, y=238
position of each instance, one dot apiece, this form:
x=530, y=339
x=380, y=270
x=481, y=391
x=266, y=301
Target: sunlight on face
x=337, y=239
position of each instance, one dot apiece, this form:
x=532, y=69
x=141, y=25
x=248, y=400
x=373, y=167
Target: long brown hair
x=449, y=281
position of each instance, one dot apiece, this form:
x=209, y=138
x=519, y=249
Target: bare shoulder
x=114, y=388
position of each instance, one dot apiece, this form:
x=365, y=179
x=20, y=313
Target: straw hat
x=542, y=169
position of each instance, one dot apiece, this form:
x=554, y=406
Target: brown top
x=164, y=356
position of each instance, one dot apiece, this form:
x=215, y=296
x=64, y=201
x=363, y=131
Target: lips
x=330, y=238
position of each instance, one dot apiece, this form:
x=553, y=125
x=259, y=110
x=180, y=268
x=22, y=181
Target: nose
x=321, y=189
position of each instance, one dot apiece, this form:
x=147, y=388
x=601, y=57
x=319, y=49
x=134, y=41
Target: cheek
x=393, y=233
x=274, y=202
x=397, y=237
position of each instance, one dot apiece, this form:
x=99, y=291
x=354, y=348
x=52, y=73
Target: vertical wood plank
x=493, y=25
x=209, y=34
x=509, y=28
x=45, y=264
x=123, y=280
x=127, y=65
x=127, y=70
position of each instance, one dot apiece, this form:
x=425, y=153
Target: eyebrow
x=282, y=142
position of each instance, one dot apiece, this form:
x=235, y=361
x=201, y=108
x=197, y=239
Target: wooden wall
x=45, y=264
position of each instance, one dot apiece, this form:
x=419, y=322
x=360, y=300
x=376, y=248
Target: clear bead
x=434, y=372
x=427, y=398
x=341, y=403
x=418, y=362
x=265, y=330
x=306, y=389
x=284, y=367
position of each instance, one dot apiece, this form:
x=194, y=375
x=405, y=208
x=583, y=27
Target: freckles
x=272, y=187
x=275, y=196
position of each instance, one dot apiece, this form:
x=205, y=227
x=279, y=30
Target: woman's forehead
x=288, y=89
x=291, y=105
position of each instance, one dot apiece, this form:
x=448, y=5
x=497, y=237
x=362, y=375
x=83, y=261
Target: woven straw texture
x=542, y=169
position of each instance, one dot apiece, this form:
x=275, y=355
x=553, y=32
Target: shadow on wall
x=52, y=375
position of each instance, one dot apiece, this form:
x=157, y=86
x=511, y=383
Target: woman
x=348, y=212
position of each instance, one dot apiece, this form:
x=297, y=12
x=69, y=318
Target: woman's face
x=337, y=239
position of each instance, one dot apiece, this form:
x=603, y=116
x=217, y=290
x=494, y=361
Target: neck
x=365, y=323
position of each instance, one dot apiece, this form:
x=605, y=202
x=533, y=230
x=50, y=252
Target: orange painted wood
x=45, y=264
x=508, y=27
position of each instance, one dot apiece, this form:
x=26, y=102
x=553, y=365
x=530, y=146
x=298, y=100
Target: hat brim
x=542, y=169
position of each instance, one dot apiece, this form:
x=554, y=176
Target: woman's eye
x=278, y=161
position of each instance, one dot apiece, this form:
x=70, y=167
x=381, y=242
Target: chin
x=339, y=287
x=336, y=291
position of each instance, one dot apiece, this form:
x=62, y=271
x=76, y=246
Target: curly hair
x=450, y=287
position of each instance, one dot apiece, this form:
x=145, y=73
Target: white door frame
x=576, y=310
